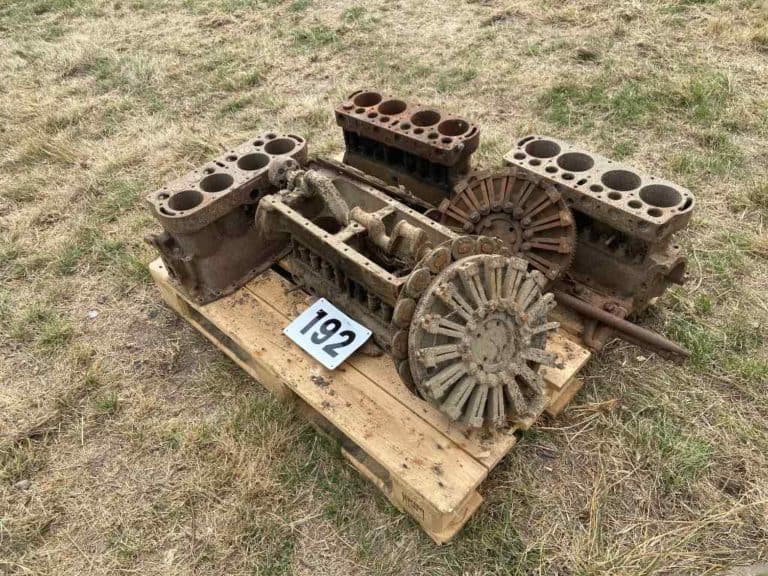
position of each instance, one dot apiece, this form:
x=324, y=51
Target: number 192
x=325, y=331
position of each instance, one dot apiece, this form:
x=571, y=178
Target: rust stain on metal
x=208, y=243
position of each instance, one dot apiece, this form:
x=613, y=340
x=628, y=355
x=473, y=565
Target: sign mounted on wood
x=327, y=334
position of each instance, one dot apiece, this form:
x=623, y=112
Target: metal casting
x=528, y=214
x=625, y=255
x=422, y=148
x=464, y=320
x=208, y=239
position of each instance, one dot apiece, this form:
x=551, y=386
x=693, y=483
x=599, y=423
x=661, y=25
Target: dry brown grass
x=130, y=445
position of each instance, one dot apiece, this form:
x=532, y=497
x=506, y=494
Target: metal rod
x=626, y=329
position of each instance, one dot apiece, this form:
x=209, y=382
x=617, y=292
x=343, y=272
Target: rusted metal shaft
x=625, y=329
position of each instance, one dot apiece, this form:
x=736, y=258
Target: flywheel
x=527, y=214
x=477, y=337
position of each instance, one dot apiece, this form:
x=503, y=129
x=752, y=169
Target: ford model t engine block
x=208, y=243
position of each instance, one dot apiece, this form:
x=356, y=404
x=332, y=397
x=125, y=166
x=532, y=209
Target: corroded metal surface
x=638, y=204
x=422, y=148
x=448, y=271
x=477, y=338
x=629, y=331
x=626, y=254
x=402, y=274
x=528, y=214
x=208, y=239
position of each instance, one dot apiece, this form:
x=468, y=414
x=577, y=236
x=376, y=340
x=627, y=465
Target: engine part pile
x=455, y=270
x=465, y=322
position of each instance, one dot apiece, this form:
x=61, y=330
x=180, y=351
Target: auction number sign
x=327, y=334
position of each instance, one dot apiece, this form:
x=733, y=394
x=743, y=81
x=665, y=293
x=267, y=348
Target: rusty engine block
x=208, y=243
x=625, y=221
x=421, y=148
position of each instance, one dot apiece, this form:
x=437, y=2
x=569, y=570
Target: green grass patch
x=11, y=256
x=255, y=418
x=62, y=120
x=702, y=304
x=124, y=543
x=90, y=248
x=682, y=6
x=137, y=74
x=727, y=259
x=223, y=71
x=270, y=541
x=635, y=102
x=43, y=325
x=677, y=457
x=703, y=98
x=454, y=79
x=353, y=14
x=716, y=155
x=235, y=105
x=299, y=5
x=752, y=370
x=623, y=149
x=314, y=38
x=106, y=404
x=735, y=344
x=743, y=336
x=109, y=200
x=701, y=340
x=757, y=195
x=20, y=463
x=491, y=543
x=25, y=13
x=760, y=40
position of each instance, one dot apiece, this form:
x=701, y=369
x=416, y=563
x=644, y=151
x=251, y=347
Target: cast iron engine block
x=424, y=149
x=626, y=254
x=208, y=243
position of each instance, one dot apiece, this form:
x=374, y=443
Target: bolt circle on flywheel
x=528, y=214
x=477, y=339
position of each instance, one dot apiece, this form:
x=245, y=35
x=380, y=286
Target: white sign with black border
x=327, y=334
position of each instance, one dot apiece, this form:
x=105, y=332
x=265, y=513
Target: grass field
x=129, y=445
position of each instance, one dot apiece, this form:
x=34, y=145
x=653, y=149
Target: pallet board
x=426, y=465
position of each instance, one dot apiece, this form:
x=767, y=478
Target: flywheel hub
x=528, y=214
x=477, y=339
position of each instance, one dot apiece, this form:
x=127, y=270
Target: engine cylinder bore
x=660, y=196
x=477, y=338
x=543, y=148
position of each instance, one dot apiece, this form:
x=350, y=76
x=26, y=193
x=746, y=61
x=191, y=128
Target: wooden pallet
x=422, y=462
